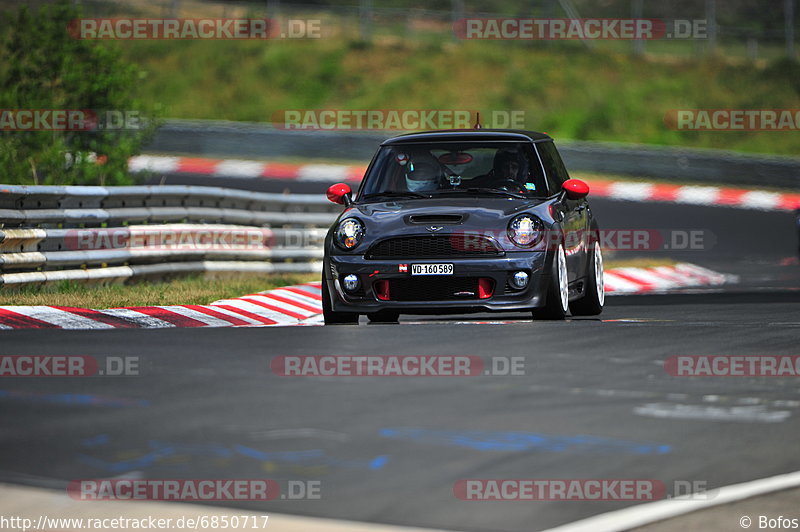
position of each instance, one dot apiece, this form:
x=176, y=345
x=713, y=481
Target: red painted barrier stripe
x=665, y=192
x=21, y=321
x=274, y=308
x=599, y=188
x=114, y=321
x=355, y=173
x=174, y=318
x=216, y=314
x=197, y=165
x=281, y=171
x=790, y=201
x=293, y=302
x=262, y=319
x=297, y=291
x=730, y=196
x=635, y=280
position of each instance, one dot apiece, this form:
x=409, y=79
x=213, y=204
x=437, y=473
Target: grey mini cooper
x=457, y=221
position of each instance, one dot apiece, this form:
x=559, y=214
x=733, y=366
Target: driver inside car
x=506, y=166
x=423, y=174
x=508, y=172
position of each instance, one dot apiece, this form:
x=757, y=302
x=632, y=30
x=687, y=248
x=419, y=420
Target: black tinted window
x=553, y=165
x=432, y=168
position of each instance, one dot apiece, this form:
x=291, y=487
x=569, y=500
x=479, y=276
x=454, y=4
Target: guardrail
x=254, y=140
x=112, y=234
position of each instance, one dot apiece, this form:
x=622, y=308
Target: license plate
x=431, y=269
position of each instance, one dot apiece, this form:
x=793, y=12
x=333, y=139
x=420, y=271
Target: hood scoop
x=436, y=219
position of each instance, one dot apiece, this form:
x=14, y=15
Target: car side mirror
x=340, y=193
x=575, y=189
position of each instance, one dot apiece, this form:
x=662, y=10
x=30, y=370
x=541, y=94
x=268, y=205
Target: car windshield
x=443, y=168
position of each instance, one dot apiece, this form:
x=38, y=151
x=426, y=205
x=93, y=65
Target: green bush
x=44, y=67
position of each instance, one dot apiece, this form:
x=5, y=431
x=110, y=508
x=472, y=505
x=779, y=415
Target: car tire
x=331, y=317
x=591, y=304
x=384, y=316
x=557, y=296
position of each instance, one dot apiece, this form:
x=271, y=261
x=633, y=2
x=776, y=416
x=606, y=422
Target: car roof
x=450, y=135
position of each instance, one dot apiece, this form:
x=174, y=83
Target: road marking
x=742, y=414
x=645, y=514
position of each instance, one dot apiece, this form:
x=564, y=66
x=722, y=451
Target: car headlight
x=525, y=230
x=349, y=233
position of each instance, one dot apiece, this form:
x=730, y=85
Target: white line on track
x=645, y=514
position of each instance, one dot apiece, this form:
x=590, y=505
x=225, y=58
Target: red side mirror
x=337, y=193
x=575, y=188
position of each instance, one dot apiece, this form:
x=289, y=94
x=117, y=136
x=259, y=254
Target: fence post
x=365, y=8
x=711, y=18
x=273, y=9
x=752, y=48
x=788, y=11
x=457, y=12
x=636, y=12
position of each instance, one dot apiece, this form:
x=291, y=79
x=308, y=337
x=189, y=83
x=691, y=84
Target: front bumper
x=499, y=269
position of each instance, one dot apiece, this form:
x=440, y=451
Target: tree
x=45, y=67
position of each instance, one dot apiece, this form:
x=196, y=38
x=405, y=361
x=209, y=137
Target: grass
x=642, y=262
x=568, y=91
x=602, y=94
x=187, y=291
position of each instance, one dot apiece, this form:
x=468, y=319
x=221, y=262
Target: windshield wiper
x=494, y=191
x=396, y=194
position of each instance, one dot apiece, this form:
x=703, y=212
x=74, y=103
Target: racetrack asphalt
x=389, y=449
x=594, y=402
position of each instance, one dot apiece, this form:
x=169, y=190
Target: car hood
x=475, y=210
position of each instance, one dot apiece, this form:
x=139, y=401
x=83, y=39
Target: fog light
x=350, y=283
x=520, y=280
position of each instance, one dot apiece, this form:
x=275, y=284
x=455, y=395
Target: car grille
x=440, y=246
x=433, y=289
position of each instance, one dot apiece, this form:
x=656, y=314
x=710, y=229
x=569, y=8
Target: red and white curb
x=333, y=173
x=661, y=279
x=302, y=304
x=291, y=305
x=245, y=169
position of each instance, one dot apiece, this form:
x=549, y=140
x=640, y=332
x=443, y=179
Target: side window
x=553, y=165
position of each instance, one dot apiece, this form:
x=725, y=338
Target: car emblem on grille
x=434, y=228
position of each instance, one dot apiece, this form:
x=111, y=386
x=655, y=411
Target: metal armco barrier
x=253, y=140
x=112, y=234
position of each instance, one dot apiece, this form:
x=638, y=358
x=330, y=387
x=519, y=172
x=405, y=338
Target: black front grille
x=439, y=246
x=426, y=219
x=433, y=289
